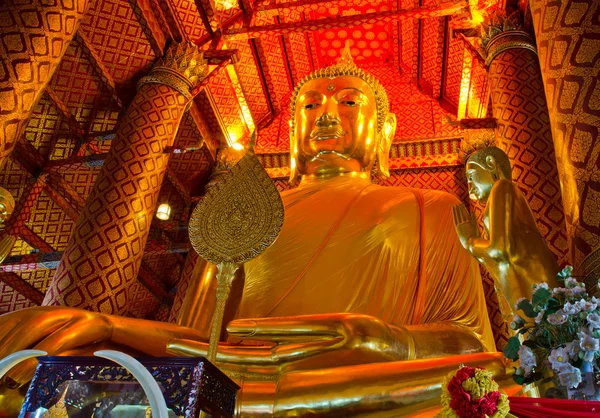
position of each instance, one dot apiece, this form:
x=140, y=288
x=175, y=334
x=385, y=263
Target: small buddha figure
x=513, y=251
x=364, y=302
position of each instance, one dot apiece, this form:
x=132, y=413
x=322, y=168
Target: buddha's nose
x=327, y=121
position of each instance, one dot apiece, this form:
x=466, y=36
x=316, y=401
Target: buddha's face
x=335, y=126
x=480, y=181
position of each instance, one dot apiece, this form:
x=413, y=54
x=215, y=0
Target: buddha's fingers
x=232, y=354
x=69, y=336
x=326, y=327
x=254, y=355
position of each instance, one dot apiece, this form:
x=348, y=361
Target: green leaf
x=565, y=273
x=511, y=351
x=541, y=296
x=519, y=379
x=527, y=308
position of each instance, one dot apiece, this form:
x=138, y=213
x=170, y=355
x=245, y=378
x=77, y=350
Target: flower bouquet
x=472, y=393
x=560, y=329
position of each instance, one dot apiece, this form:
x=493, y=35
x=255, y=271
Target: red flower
x=464, y=373
x=488, y=404
x=461, y=401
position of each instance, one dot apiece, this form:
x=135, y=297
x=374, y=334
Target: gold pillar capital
x=182, y=67
x=503, y=41
x=501, y=32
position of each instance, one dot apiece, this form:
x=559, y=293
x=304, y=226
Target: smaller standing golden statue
x=513, y=251
x=238, y=218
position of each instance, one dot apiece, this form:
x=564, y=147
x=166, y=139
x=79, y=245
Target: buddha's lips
x=327, y=134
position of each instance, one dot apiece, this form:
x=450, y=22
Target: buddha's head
x=484, y=168
x=340, y=123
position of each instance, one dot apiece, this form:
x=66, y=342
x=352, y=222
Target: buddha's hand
x=306, y=342
x=465, y=224
x=53, y=329
x=313, y=337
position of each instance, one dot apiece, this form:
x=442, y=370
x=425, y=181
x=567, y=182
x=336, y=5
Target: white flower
x=571, y=282
x=559, y=359
x=571, y=308
x=538, y=285
x=594, y=320
x=558, y=318
x=570, y=377
x=539, y=318
x=576, y=291
x=589, y=345
x=518, y=302
x=586, y=306
x=573, y=349
x=527, y=360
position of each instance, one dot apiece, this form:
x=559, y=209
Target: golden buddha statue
x=514, y=252
x=362, y=305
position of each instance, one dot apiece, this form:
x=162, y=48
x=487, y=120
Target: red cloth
x=553, y=408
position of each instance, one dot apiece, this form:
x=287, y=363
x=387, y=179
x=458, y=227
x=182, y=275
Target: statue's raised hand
x=465, y=224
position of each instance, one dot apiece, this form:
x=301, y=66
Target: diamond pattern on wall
x=142, y=303
x=249, y=77
x=81, y=89
x=432, y=35
x=11, y=300
x=40, y=279
x=123, y=55
x=50, y=223
x=454, y=70
x=227, y=106
x=567, y=34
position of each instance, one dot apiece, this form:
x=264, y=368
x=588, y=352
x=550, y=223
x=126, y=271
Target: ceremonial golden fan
x=235, y=221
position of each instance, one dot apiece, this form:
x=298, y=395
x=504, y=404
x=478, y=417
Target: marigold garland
x=472, y=393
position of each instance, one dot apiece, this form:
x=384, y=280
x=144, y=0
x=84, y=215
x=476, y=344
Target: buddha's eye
x=350, y=103
x=311, y=106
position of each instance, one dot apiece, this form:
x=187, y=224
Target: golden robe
x=349, y=246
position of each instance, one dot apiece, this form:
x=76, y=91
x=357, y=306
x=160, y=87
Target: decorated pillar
x=568, y=34
x=105, y=250
x=34, y=36
x=523, y=125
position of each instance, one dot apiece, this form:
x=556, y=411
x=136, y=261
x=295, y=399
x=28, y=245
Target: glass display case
x=83, y=387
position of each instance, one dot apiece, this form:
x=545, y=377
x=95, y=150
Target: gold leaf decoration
x=240, y=217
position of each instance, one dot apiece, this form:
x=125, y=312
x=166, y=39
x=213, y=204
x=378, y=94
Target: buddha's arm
x=500, y=213
x=327, y=340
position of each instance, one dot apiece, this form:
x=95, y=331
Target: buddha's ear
x=384, y=144
x=293, y=156
x=490, y=161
